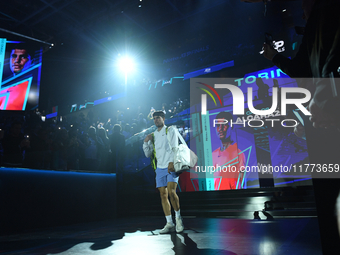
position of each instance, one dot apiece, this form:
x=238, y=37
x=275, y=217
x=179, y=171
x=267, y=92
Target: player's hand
x=299, y=131
x=268, y=51
x=171, y=167
x=322, y=119
x=148, y=138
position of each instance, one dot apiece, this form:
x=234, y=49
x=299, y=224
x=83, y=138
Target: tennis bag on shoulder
x=184, y=158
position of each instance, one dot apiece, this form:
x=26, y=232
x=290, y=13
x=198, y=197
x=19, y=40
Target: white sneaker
x=179, y=225
x=169, y=227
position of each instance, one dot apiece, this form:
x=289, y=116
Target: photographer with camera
x=319, y=58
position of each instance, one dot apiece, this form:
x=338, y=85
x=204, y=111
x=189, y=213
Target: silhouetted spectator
x=104, y=151
x=163, y=108
x=117, y=145
x=39, y=156
x=59, y=150
x=73, y=154
x=127, y=131
x=92, y=150
x=13, y=146
x=149, y=117
x=141, y=122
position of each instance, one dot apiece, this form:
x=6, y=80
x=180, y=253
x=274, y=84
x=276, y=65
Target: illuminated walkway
x=201, y=236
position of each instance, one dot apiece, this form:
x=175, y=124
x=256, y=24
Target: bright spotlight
x=126, y=64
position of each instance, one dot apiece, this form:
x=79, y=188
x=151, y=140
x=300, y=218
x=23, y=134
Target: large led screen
x=20, y=69
x=239, y=147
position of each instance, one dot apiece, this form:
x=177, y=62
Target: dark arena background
x=68, y=68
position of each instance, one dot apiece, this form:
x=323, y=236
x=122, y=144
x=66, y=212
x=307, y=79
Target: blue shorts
x=163, y=177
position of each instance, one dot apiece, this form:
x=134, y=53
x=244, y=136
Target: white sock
x=178, y=213
x=169, y=218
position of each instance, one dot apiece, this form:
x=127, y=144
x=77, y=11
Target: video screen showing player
x=20, y=75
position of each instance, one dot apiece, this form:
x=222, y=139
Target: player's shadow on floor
x=190, y=247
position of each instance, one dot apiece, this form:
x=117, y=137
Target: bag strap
x=178, y=135
x=153, y=136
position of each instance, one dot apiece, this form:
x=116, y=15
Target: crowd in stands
x=86, y=143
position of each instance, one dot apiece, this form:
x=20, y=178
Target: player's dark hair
x=159, y=113
x=117, y=128
x=224, y=115
x=30, y=48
